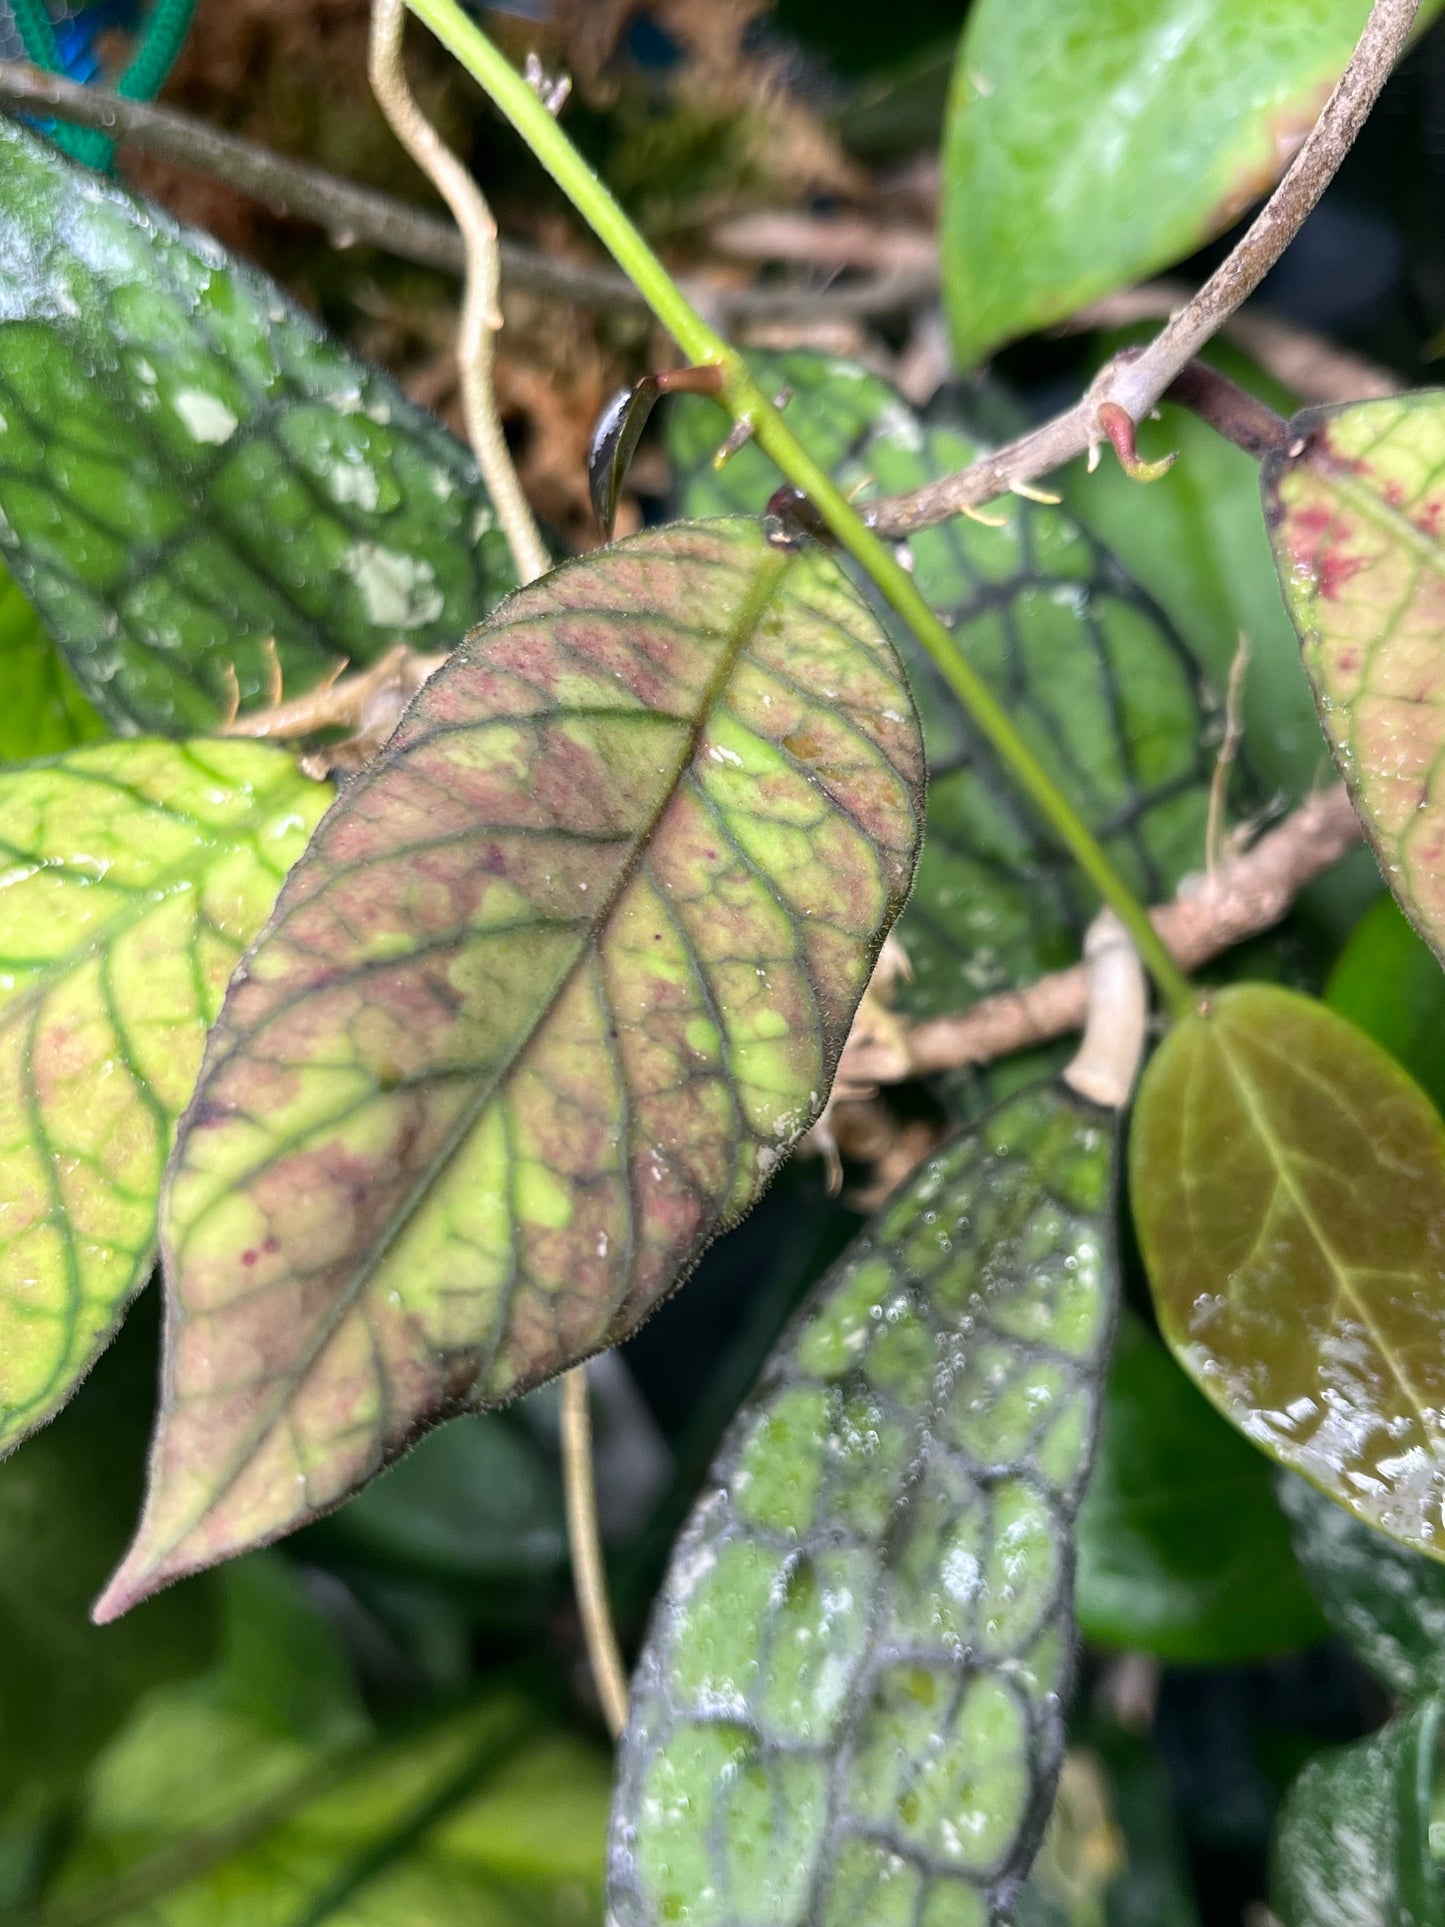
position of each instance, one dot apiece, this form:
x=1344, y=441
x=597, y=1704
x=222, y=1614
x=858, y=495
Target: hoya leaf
x=1288, y=1184
x=1352, y=1846
x=191, y=471
x=1183, y=1551
x=1388, y=982
x=1089, y=666
x=1385, y=1600
x=1091, y=142
x=42, y=710
x=134, y=875
x=488, y=1816
x=849, y=1705
x=1356, y=505
x=559, y=983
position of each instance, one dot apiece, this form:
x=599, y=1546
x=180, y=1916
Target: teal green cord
x=166, y=28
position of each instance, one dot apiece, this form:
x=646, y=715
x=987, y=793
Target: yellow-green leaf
x=559, y=983
x=134, y=875
x=1356, y=507
x=1288, y=1183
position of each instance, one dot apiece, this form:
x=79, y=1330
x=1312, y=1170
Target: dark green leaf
x=135, y=873
x=1288, y=1184
x=66, y=1503
x=1352, y=1846
x=849, y=1704
x=1091, y=142
x=42, y=709
x=190, y=467
x=558, y=984
x=1357, y=516
x=1389, y=983
x=1183, y=1551
x=1090, y=668
x=1387, y=1601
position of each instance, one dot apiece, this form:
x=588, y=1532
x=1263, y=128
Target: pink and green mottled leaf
x=1356, y=506
x=134, y=874
x=1288, y=1186
x=558, y=984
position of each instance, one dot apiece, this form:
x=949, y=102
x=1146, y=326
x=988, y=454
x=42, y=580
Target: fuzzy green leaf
x=1089, y=666
x=1352, y=1847
x=134, y=875
x=1356, y=507
x=559, y=983
x=1288, y=1184
x=1183, y=1551
x=42, y=710
x=190, y=467
x=1385, y=1600
x=197, y=1814
x=849, y=1706
x=1089, y=143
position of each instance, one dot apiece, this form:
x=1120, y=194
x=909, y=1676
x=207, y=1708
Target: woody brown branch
x=1248, y=894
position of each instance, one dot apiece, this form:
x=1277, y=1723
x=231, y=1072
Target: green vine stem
x=746, y=401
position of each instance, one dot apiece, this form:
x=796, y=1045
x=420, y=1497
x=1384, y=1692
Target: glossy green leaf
x=1090, y=143
x=559, y=983
x=190, y=467
x=135, y=873
x=1357, y=514
x=1385, y=1600
x=1090, y=668
x=66, y=1504
x=1182, y=1550
x=42, y=710
x=849, y=1706
x=1388, y=982
x=1352, y=1844
x=196, y=1816
x=1288, y=1184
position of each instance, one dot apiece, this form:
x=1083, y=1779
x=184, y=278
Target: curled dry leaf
x=135, y=873
x=559, y=983
x=850, y=1704
x=1356, y=506
x=1288, y=1184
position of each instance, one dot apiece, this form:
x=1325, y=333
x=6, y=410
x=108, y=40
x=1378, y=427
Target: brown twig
x=1247, y=894
x=352, y=214
x=1136, y=380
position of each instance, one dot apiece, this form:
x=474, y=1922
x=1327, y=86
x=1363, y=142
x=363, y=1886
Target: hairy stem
x=746, y=401
x=589, y=1571
x=1136, y=381
x=481, y=316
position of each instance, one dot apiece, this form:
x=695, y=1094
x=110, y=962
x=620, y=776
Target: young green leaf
x=1288, y=1184
x=849, y=1706
x=559, y=983
x=1090, y=668
x=1091, y=142
x=1356, y=509
x=1386, y=1601
x=192, y=472
x=1352, y=1847
x=1183, y=1551
x=135, y=874
x=198, y=1815
x=42, y=710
